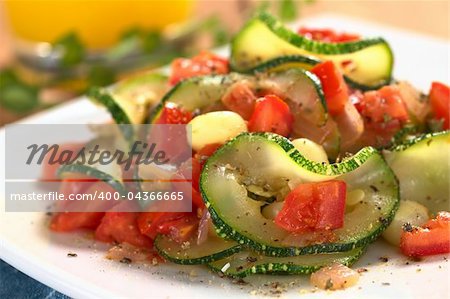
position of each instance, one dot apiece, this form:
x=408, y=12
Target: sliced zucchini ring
x=190, y=253
x=405, y=135
x=304, y=62
x=422, y=167
x=301, y=89
x=110, y=173
x=197, y=93
x=269, y=160
x=283, y=63
x=107, y=176
x=246, y=263
x=367, y=62
x=129, y=101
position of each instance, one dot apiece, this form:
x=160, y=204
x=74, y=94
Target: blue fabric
x=15, y=284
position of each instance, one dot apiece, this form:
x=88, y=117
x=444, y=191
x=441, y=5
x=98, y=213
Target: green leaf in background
x=101, y=75
x=151, y=40
x=18, y=97
x=130, y=42
x=135, y=41
x=72, y=49
x=131, y=32
x=7, y=77
x=288, y=10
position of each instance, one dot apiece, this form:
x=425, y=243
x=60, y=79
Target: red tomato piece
x=331, y=195
x=203, y=64
x=207, y=151
x=70, y=221
x=153, y=223
x=240, y=99
x=430, y=239
x=299, y=212
x=334, y=86
x=383, y=105
x=174, y=115
x=145, y=221
x=121, y=227
x=197, y=165
x=440, y=102
x=384, y=113
x=49, y=170
x=173, y=140
x=328, y=35
x=180, y=230
x=197, y=199
x=313, y=207
x=271, y=114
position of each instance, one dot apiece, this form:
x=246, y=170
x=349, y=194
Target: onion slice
x=203, y=227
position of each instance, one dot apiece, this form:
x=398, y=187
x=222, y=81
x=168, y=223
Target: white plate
x=27, y=244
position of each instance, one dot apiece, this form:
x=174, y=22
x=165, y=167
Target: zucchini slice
x=406, y=134
x=246, y=263
x=110, y=173
x=197, y=93
x=108, y=176
x=301, y=89
x=129, y=101
x=271, y=161
x=367, y=62
x=422, y=167
x=211, y=250
x=303, y=93
x=300, y=61
x=283, y=63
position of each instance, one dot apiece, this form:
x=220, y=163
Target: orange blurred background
x=99, y=29
x=429, y=16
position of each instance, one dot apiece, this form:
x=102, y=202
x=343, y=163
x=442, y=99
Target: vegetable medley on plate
x=304, y=151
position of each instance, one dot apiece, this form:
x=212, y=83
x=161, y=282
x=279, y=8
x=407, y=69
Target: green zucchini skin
x=443, y=135
x=312, y=45
x=129, y=101
x=247, y=263
x=211, y=250
x=104, y=98
x=404, y=136
x=380, y=218
x=111, y=174
x=301, y=87
x=114, y=182
x=196, y=93
x=281, y=41
x=284, y=62
x=130, y=87
x=306, y=62
x=422, y=166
